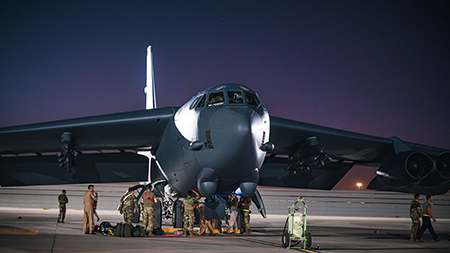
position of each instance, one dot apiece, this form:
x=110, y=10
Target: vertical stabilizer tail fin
x=150, y=103
x=149, y=90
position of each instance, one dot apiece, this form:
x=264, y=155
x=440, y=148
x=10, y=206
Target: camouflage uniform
x=148, y=213
x=244, y=214
x=189, y=216
x=62, y=200
x=415, y=212
x=128, y=203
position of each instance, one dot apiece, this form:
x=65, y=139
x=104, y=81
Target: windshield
x=252, y=99
x=235, y=97
x=216, y=99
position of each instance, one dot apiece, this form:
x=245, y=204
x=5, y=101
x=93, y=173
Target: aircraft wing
x=295, y=161
x=105, y=148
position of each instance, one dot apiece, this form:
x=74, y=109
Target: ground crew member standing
x=244, y=213
x=234, y=204
x=62, y=200
x=426, y=221
x=415, y=212
x=128, y=203
x=148, y=214
x=204, y=223
x=188, y=206
x=88, y=218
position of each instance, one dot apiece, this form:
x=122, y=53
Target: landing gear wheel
x=177, y=220
x=139, y=189
x=158, y=215
x=286, y=240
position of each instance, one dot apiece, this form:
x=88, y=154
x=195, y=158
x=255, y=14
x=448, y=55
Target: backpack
x=103, y=226
x=109, y=232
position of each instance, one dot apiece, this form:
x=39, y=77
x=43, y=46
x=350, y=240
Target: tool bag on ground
x=128, y=230
x=123, y=230
x=137, y=231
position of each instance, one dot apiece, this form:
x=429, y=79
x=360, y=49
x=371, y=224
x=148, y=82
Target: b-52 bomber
x=220, y=140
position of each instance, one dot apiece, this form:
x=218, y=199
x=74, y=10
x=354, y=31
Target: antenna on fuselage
x=149, y=90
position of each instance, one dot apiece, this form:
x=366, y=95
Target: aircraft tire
x=177, y=219
x=158, y=215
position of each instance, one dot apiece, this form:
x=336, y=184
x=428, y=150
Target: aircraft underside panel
x=274, y=174
x=91, y=168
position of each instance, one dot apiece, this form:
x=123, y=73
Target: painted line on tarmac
x=14, y=231
x=267, y=243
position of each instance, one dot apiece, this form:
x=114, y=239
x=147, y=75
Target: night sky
x=374, y=67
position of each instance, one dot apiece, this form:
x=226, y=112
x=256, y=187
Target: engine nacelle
x=440, y=173
x=405, y=169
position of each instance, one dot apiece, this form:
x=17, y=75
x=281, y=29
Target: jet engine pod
x=249, y=183
x=207, y=181
x=405, y=169
x=440, y=173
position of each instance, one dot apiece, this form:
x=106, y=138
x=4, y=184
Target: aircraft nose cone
x=231, y=127
x=234, y=141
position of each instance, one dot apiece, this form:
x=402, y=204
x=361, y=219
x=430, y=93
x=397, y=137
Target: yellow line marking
x=13, y=231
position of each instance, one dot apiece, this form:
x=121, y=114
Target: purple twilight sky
x=374, y=67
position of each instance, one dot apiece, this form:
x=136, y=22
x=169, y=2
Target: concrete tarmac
x=35, y=229
x=38, y=231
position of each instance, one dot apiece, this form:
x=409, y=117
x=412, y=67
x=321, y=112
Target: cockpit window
x=235, y=97
x=194, y=103
x=216, y=99
x=252, y=99
x=202, y=102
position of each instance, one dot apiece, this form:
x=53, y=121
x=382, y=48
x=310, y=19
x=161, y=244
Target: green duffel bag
x=119, y=229
x=127, y=229
x=138, y=231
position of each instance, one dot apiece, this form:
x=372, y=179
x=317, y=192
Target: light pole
x=359, y=185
